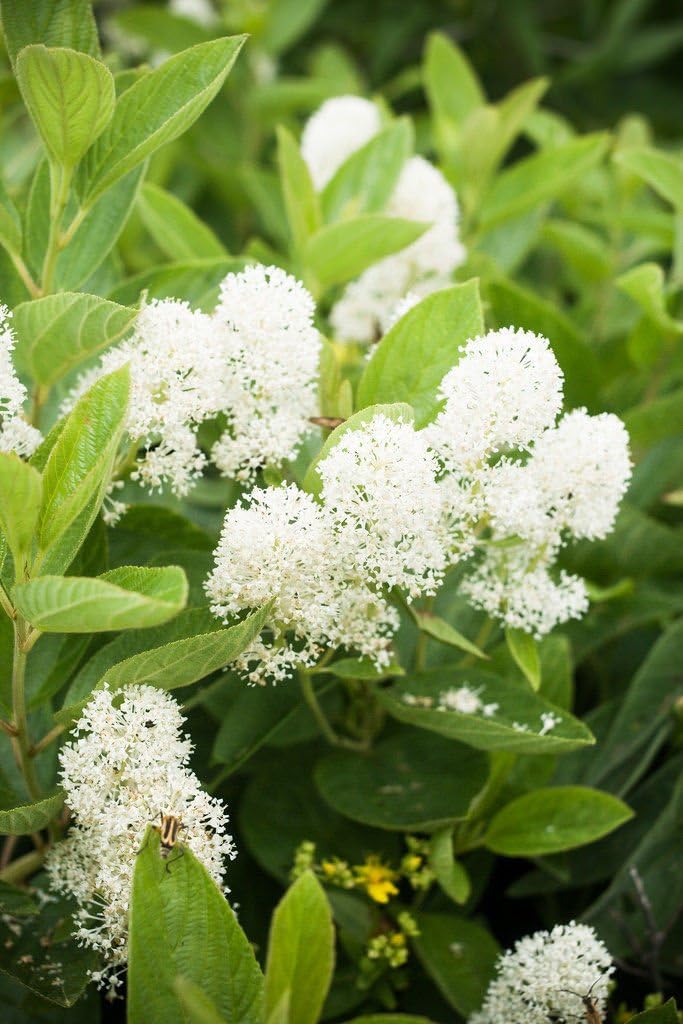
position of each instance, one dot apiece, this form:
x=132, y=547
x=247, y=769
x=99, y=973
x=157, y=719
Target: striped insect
x=168, y=831
x=592, y=1013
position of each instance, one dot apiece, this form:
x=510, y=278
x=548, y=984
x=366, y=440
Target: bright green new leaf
x=665, y=1014
x=550, y=820
x=399, y=411
x=453, y=89
x=161, y=28
x=22, y=821
x=338, y=252
x=365, y=182
x=540, y=178
x=158, y=108
x=78, y=468
x=524, y=650
x=196, y=1004
x=131, y=597
x=70, y=97
x=51, y=22
x=20, y=499
x=301, y=201
x=182, y=925
x=645, y=285
x=663, y=172
x=450, y=874
x=413, y=357
x=442, y=631
x=10, y=223
x=508, y=716
x=300, y=954
x=57, y=332
x=175, y=228
x=412, y=780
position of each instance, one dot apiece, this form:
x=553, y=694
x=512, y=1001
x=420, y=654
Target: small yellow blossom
x=377, y=879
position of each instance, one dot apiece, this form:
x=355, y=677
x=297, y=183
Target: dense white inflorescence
x=279, y=545
x=379, y=486
x=16, y=435
x=372, y=303
x=124, y=766
x=336, y=130
x=176, y=362
x=271, y=354
x=544, y=977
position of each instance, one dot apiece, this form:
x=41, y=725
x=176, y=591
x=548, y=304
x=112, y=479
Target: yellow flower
x=377, y=879
x=329, y=867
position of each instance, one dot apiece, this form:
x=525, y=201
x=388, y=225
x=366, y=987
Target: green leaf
x=459, y=956
x=300, y=954
x=339, y=252
x=78, y=468
x=10, y=223
x=22, y=821
x=57, y=332
x=51, y=22
x=358, y=668
x=301, y=201
x=450, y=874
x=413, y=357
x=524, y=651
x=514, y=719
x=645, y=285
x=160, y=28
x=196, y=281
x=651, y=421
x=442, y=631
x=158, y=108
x=666, y=1014
x=197, y=1006
x=175, y=228
x=390, y=1018
x=17, y=902
x=397, y=411
x=181, y=924
x=664, y=173
x=130, y=597
x=365, y=182
x=554, y=819
x=170, y=665
x=410, y=781
x=453, y=89
x=540, y=178
x=70, y=97
x=20, y=499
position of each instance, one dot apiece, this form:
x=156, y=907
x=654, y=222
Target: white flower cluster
x=533, y=484
x=369, y=305
x=271, y=353
x=325, y=565
x=124, y=767
x=16, y=435
x=255, y=360
x=544, y=977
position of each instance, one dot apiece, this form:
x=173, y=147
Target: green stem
x=22, y=867
x=21, y=742
x=25, y=275
x=60, y=180
x=326, y=729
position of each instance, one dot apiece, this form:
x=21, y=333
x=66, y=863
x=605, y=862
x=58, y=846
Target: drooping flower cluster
x=271, y=353
x=124, y=766
x=369, y=305
x=544, y=977
x=531, y=484
x=16, y=435
x=327, y=565
x=254, y=360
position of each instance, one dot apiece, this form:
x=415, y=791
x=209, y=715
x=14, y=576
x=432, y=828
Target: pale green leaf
x=158, y=108
x=365, y=182
x=20, y=500
x=645, y=285
x=450, y=874
x=302, y=205
x=663, y=172
x=51, y=22
x=131, y=597
x=442, y=631
x=175, y=228
x=524, y=650
x=413, y=357
x=70, y=97
x=453, y=89
x=338, y=252
x=300, y=953
x=57, y=332
x=22, y=821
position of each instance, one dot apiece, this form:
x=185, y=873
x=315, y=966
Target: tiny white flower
x=124, y=766
x=16, y=434
x=336, y=130
x=462, y=698
x=548, y=722
x=544, y=977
